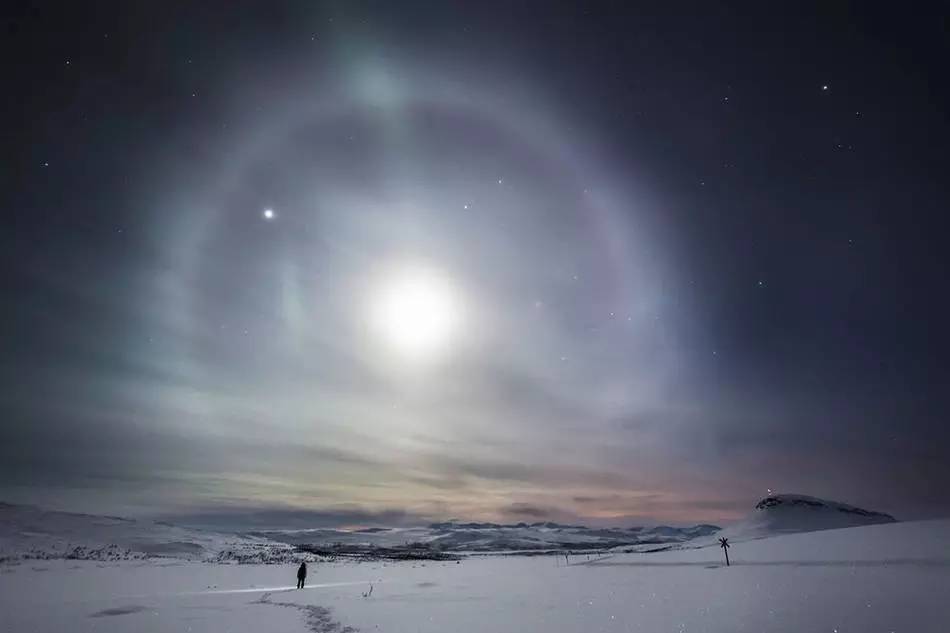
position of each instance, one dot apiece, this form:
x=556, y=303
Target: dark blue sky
x=657, y=263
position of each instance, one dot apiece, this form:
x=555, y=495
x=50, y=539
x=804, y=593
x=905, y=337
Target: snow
x=877, y=578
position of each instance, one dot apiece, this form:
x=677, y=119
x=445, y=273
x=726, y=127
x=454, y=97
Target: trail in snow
x=318, y=619
x=278, y=589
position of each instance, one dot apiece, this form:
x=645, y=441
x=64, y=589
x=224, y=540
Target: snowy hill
x=28, y=532
x=790, y=513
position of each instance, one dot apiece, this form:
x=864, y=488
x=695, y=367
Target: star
x=824, y=87
x=268, y=214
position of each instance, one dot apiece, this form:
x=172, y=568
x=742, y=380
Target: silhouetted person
x=301, y=575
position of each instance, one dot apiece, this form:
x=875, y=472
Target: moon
x=416, y=313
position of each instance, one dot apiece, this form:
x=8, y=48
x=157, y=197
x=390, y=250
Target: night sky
x=392, y=262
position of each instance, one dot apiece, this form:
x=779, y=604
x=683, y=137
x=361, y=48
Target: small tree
x=724, y=544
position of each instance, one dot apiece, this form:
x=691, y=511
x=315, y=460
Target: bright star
x=268, y=214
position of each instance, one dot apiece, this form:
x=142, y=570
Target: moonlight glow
x=416, y=314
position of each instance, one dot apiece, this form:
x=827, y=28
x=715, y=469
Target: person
x=301, y=575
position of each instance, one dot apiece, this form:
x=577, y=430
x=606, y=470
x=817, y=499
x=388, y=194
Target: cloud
x=252, y=517
x=600, y=500
x=529, y=511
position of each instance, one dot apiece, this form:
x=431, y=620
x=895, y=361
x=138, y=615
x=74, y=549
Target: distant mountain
x=788, y=513
x=785, y=502
x=453, y=536
x=28, y=532
x=799, y=513
x=455, y=525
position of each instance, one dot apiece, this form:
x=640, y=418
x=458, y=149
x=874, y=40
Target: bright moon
x=416, y=313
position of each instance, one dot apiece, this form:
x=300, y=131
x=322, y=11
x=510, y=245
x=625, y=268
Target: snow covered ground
x=878, y=578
